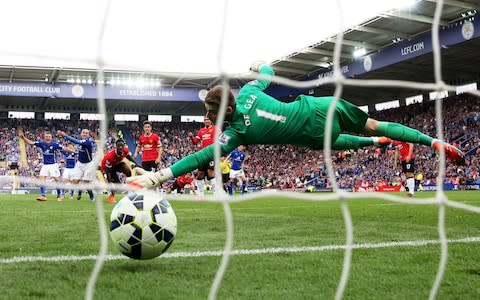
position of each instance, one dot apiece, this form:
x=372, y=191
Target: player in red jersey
x=206, y=136
x=181, y=182
x=407, y=157
x=112, y=163
x=151, y=147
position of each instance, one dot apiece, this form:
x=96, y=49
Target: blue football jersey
x=237, y=158
x=85, y=153
x=70, y=159
x=48, y=151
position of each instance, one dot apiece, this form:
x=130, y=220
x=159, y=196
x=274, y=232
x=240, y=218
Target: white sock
x=200, y=186
x=213, y=182
x=411, y=185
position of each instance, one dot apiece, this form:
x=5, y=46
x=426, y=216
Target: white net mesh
x=339, y=81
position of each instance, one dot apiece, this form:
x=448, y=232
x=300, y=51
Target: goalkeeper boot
x=453, y=153
x=383, y=140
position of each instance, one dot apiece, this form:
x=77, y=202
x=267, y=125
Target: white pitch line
x=64, y=258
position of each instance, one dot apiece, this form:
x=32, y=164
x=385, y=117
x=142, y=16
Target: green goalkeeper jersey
x=261, y=119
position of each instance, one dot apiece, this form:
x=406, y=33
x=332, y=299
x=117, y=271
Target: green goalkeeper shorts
x=351, y=117
x=347, y=117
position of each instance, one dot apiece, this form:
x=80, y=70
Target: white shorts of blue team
x=85, y=171
x=68, y=174
x=50, y=170
x=237, y=174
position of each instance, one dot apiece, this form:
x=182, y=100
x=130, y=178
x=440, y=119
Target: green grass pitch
x=69, y=228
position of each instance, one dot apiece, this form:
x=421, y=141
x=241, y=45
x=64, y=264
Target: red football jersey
x=111, y=158
x=149, y=146
x=404, y=149
x=205, y=135
x=182, y=180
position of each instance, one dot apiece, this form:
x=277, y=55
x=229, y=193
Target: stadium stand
x=289, y=167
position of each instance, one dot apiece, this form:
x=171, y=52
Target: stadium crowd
x=290, y=167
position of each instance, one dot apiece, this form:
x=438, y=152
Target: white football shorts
x=50, y=170
x=237, y=174
x=85, y=171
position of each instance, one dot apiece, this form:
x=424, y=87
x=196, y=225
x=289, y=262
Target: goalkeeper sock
x=403, y=133
x=346, y=141
x=200, y=186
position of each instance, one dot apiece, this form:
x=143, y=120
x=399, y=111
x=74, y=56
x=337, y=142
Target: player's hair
x=214, y=96
x=147, y=122
x=119, y=141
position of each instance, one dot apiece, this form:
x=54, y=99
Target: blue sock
x=230, y=188
x=90, y=193
x=42, y=191
x=71, y=193
x=244, y=187
x=59, y=192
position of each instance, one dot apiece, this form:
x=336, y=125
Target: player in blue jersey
x=70, y=159
x=50, y=166
x=85, y=168
x=237, y=175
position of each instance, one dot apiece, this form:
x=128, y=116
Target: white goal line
x=216, y=253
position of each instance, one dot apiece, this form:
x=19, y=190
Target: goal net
x=224, y=76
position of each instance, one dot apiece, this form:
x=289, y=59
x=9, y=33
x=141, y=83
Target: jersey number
x=270, y=116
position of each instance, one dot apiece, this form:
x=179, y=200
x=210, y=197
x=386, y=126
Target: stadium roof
x=374, y=35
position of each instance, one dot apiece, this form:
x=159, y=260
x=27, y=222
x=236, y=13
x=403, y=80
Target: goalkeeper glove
x=149, y=180
x=255, y=67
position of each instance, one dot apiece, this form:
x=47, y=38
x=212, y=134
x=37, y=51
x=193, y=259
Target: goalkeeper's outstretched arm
x=229, y=140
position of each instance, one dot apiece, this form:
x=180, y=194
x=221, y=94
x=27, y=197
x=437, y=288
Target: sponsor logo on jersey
x=223, y=139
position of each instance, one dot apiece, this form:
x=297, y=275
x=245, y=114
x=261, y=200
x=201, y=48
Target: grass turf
x=53, y=228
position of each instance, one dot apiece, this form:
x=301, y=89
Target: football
x=143, y=225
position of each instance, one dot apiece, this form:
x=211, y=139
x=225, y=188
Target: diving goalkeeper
x=257, y=118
